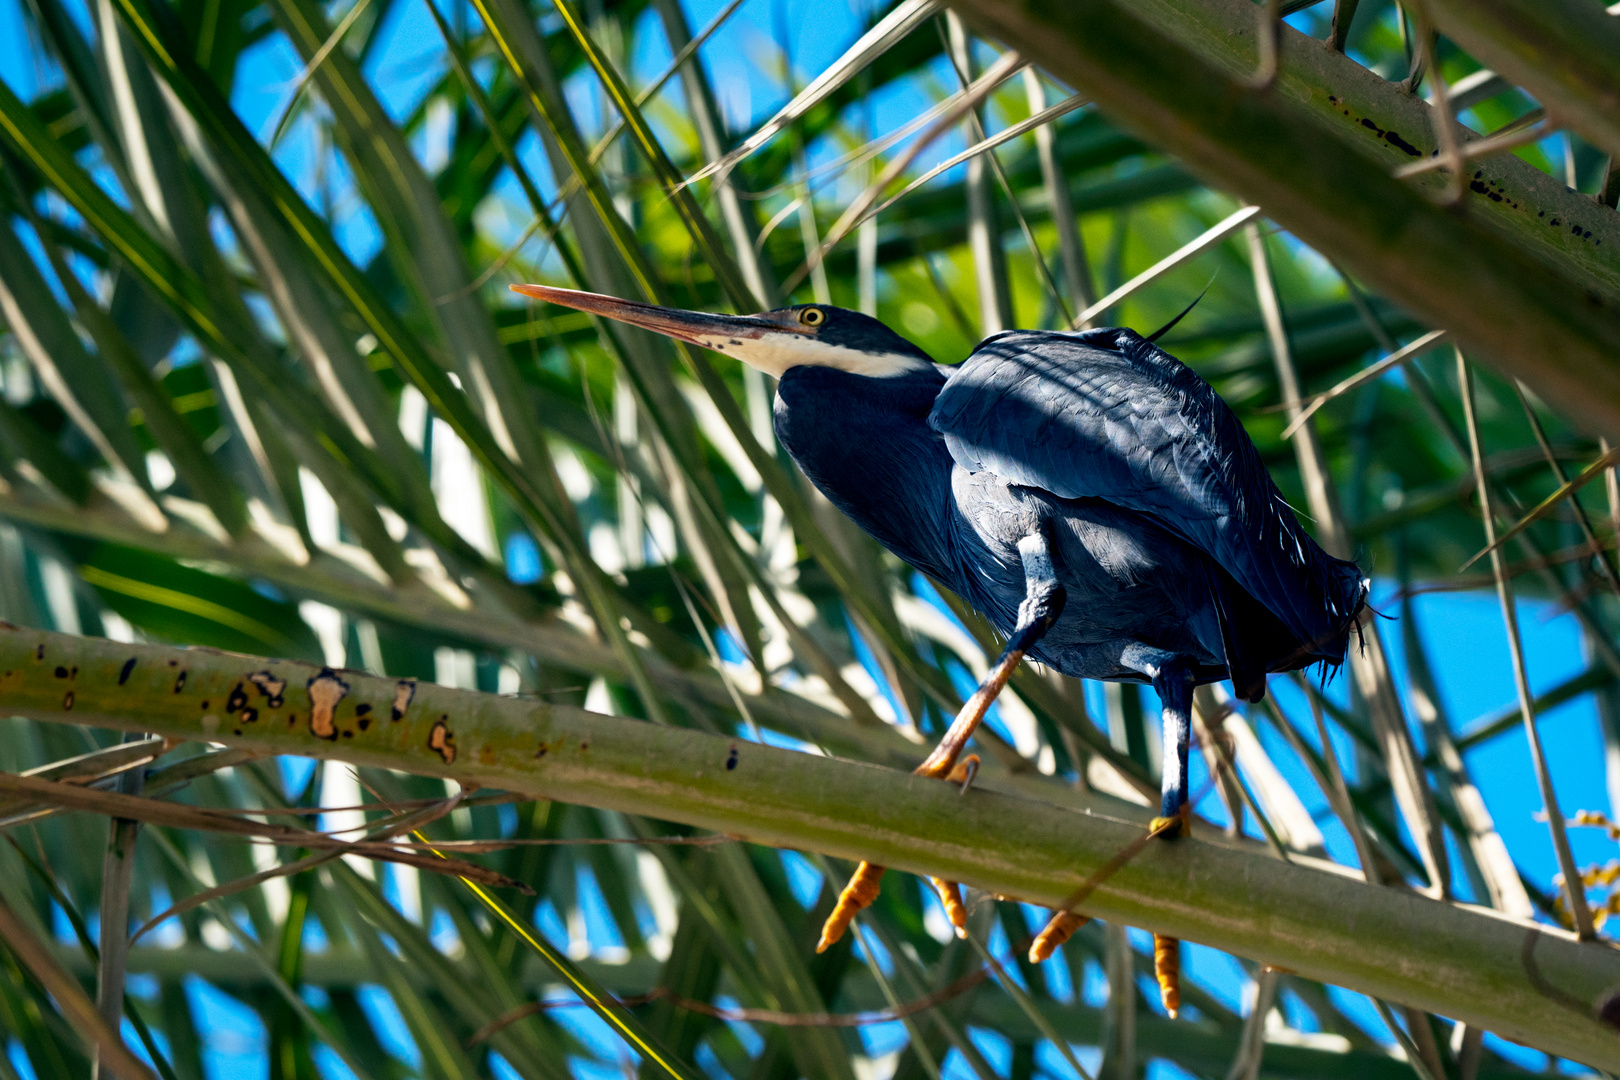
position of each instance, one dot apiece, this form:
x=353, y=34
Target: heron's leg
x=1172, y=677
x=1043, y=603
x=1174, y=682
x=1175, y=687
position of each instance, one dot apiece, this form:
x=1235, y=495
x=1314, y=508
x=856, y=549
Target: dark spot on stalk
x=124, y=672
x=731, y=759
x=365, y=722
x=1372, y=127
x=362, y=709
x=443, y=740
x=404, y=692
x=1401, y=144
x=205, y=706
x=180, y=680
x=174, y=663
x=61, y=672
x=542, y=751
x=325, y=691
x=249, y=715
x=270, y=688
x=238, y=699
x=39, y=653
x=348, y=734
x=67, y=701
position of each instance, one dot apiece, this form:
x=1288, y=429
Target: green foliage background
x=219, y=429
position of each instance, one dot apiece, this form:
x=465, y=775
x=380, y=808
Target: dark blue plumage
x=1167, y=530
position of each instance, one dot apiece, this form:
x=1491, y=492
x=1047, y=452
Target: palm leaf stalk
x=862, y=813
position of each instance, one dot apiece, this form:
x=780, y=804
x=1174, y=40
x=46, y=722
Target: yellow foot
x=1167, y=968
x=1059, y=928
x=964, y=771
x=1179, y=825
x=950, y=895
x=859, y=893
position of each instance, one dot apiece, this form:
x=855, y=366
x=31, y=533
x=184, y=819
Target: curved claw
x=1177, y=825
x=964, y=772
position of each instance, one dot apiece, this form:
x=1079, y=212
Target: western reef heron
x=1087, y=492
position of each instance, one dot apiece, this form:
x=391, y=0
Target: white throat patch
x=775, y=353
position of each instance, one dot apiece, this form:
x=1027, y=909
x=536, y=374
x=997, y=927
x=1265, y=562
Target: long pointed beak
x=695, y=327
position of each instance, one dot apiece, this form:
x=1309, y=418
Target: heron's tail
x=1345, y=591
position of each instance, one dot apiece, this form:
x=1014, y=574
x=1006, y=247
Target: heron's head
x=817, y=335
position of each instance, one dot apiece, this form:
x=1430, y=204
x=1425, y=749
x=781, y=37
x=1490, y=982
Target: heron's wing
x=1107, y=414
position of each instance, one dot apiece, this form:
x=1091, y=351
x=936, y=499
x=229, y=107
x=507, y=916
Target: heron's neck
x=866, y=445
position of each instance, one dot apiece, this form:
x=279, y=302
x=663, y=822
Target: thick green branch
x=1531, y=984
x=1513, y=199
x=1495, y=282
x=1565, y=52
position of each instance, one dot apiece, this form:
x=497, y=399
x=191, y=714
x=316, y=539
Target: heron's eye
x=811, y=316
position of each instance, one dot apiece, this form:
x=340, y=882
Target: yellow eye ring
x=812, y=316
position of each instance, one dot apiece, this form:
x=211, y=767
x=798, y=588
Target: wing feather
x=1107, y=414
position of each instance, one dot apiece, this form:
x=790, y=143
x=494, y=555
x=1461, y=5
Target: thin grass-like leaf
x=781, y=964
x=1565, y=491
x=1574, y=894
x=1251, y=1051
x=1076, y=270
x=604, y=1004
x=258, y=957
x=177, y=815
x=1287, y=815
x=1496, y=144
x=1361, y=378
x=969, y=98
x=117, y=878
x=905, y=17
x=1487, y=859
x=1028, y=1006
x=1369, y=664
x=191, y=462
x=1208, y=239
x=76, y=381
x=1007, y=134
x=113, y=1054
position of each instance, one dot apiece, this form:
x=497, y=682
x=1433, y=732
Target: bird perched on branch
x=1090, y=494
